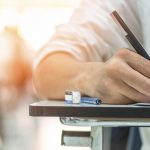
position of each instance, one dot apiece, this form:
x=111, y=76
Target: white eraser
x=76, y=96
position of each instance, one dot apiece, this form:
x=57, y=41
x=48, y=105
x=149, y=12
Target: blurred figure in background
x=15, y=62
x=16, y=92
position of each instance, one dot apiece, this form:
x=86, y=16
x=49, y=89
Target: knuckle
x=109, y=83
x=123, y=53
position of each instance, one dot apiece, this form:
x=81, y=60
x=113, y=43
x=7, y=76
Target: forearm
x=118, y=81
x=57, y=73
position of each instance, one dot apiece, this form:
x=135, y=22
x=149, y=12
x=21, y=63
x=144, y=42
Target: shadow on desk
x=125, y=138
x=119, y=138
x=134, y=140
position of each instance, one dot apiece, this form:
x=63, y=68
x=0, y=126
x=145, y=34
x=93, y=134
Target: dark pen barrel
x=130, y=36
x=138, y=47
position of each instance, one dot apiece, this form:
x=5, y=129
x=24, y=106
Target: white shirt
x=92, y=35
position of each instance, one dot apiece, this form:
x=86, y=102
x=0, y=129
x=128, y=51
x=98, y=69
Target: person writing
x=89, y=54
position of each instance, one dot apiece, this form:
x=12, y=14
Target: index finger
x=137, y=62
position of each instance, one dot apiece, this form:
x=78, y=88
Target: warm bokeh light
x=37, y=25
x=9, y=17
x=35, y=19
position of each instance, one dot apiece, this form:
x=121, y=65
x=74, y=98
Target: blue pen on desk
x=90, y=100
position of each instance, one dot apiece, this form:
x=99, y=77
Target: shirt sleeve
x=91, y=34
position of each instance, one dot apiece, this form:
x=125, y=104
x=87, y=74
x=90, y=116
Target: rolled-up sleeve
x=91, y=34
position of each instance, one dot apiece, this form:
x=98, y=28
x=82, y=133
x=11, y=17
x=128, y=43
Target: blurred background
x=35, y=19
x=25, y=25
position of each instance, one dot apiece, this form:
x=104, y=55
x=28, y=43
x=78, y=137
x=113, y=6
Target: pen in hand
x=130, y=36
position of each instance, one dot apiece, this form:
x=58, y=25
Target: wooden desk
x=97, y=116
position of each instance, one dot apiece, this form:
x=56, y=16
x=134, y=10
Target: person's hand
x=125, y=78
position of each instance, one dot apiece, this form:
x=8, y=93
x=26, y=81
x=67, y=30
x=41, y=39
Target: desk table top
x=53, y=108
